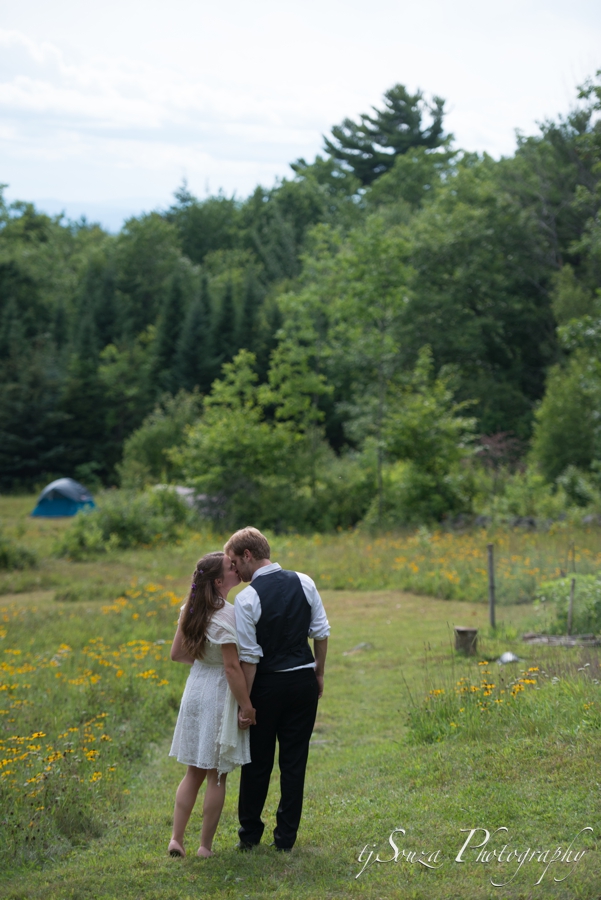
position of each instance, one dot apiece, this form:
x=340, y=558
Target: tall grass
x=483, y=700
x=446, y=564
x=77, y=712
x=443, y=564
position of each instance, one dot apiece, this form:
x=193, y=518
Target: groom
x=275, y=615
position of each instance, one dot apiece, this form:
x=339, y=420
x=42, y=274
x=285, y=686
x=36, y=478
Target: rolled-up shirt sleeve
x=319, y=627
x=247, y=610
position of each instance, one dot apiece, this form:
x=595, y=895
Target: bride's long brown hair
x=202, y=601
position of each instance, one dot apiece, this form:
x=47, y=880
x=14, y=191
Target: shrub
x=271, y=469
x=13, y=555
x=523, y=494
x=145, y=452
x=579, y=488
x=125, y=519
x=587, y=604
x=566, y=431
x=412, y=496
x=344, y=491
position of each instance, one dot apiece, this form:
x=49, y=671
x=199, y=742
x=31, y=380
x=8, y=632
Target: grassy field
x=449, y=565
x=409, y=736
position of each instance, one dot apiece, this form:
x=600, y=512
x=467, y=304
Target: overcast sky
x=108, y=106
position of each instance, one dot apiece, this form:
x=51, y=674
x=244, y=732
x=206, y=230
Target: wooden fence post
x=491, y=585
x=571, y=605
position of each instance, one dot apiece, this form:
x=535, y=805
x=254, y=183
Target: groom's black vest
x=283, y=626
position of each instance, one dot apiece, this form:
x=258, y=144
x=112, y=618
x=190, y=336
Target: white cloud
x=123, y=99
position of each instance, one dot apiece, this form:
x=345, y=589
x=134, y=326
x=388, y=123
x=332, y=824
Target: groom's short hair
x=249, y=539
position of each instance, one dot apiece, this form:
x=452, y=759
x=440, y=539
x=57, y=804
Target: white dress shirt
x=248, y=612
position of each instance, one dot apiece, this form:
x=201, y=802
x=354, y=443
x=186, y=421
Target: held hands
x=246, y=717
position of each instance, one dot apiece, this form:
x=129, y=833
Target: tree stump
x=466, y=640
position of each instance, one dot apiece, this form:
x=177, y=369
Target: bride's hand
x=246, y=717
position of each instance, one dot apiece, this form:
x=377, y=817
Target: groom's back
x=283, y=627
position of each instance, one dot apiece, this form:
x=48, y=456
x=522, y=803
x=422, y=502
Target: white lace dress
x=206, y=733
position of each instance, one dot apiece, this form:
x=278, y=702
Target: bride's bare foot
x=204, y=853
x=175, y=848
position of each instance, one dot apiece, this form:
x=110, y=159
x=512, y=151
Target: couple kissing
x=254, y=681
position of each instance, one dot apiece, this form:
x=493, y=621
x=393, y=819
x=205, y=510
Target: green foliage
x=521, y=494
x=30, y=420
x=425, y=424
x=412, y=495
x=471, y=300
x=169, y=328
x=124, y=519
x=278, y=221
x=423, y=427
x=414, y=178
x=147, y=253
x=566, y=429
x=145, y=455
x=83, y=410
x=194, y=359
x=13, y=555
x=571, y=300
x=580, y=489
x=369, y=147
x=224, y=336
x=205, y=225
x=334, y=280
x=553, y=597
x=245, y=464
x=125, y=374
x=274, y=470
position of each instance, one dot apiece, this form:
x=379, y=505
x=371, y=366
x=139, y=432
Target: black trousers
x=286, y=705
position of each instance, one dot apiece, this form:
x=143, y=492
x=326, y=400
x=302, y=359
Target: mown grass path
x=364, y=780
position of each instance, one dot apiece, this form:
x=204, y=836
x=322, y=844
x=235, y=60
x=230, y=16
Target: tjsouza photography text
x=503, y=855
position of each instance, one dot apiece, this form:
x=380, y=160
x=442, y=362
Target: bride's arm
x=237, y=682
x=178, y=654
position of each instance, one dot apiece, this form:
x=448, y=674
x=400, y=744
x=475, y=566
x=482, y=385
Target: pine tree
x=266, y=337
x=247, y=326
x=86, y=340
x=82, y=408
x=369, y=147
x=12, y=330
x=194, y=358
x=106, y=315
x=168, y=332
x=60, y=326
x=224, y=335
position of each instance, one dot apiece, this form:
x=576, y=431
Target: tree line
x=346, y=342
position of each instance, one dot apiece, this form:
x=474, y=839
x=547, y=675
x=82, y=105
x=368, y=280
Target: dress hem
x=208, y=768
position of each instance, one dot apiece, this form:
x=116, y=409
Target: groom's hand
x=320, y=685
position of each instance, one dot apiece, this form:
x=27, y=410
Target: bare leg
x=211, y=811
x=185, y=798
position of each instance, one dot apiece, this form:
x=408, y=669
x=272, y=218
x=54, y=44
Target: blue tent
x=63, y=497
